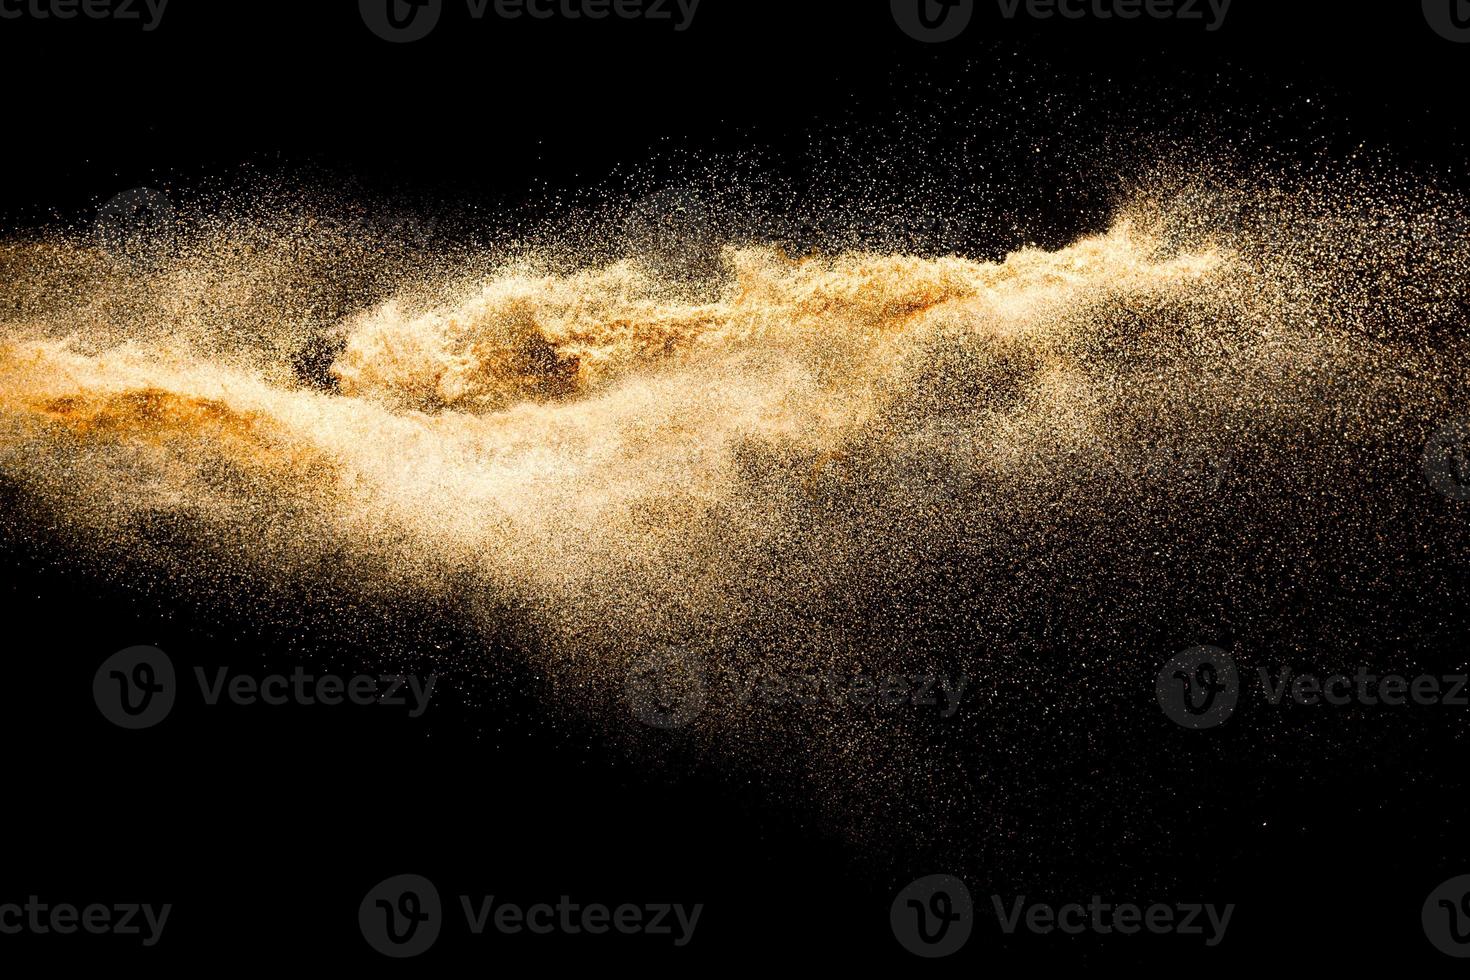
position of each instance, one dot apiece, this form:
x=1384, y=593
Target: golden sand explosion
x=735, y=470
x=556, y=431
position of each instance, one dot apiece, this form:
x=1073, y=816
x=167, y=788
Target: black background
x=265, y=827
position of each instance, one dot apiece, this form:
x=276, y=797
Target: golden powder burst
x=740, y=471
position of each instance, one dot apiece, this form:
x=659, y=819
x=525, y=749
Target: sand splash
x=531, y=418
x=787, y=464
